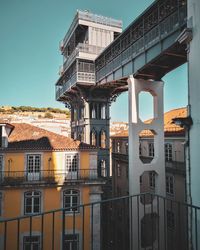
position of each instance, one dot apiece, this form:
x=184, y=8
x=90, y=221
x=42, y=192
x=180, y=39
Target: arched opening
x=102, y=139
x=93, y=138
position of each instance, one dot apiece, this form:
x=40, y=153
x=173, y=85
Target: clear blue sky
x=30, y=31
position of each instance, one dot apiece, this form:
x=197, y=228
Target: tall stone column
x=136, y=167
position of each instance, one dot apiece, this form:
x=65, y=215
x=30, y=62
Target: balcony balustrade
x=80, y=51
x=78, y=77
x=46, y=176
x=160, y=224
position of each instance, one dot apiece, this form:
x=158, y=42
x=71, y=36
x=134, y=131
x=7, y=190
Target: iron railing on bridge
x=163, y=18
x=144, y=221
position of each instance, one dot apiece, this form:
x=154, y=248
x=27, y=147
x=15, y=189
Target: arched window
x=71, y=200
x=103, y=139
x=32, y=202
x=93, y=138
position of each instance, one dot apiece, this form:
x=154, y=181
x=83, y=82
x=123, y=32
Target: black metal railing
x=47, y=176
x=155, y=23
x=144, y=221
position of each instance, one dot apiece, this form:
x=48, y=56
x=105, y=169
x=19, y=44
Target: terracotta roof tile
x=28, y=137
x=169, y=127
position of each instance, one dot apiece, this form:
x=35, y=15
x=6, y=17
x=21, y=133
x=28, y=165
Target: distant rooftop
x=169, y=127
x=27, y=137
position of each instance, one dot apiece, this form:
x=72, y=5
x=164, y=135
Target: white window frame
x=30, y=244
x=170, y=184
x=71, y=194
x=168, y=152
x=33, y=173
x=32, y=196
x=71, y=165
x=71, y=241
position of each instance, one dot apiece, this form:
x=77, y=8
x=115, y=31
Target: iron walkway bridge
x=148, y=48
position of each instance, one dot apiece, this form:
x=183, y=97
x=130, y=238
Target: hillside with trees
x=48, y=112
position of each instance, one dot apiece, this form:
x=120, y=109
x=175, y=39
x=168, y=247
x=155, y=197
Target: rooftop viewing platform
x=89, y=17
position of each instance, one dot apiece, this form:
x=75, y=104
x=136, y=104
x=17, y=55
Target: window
x=102, y=111
x=151, y=149
x=168, y=152
x=71, y=166
x=118, y=147
x=93, y=111
x=126, y=147
x=71, y=162
x=152, y=180
x=1, y=203
x=103, y=168
x=71, y=242
x=118, y=170
x=33, y=166
x=1, y=167
x=71, y=198
x=0, y=136
x=140, y=149
x=170, y=220
x=140, y=179
x=31, y=243
x=32, y=202
x=103, y=139
x=170, y=184
x=93, y=138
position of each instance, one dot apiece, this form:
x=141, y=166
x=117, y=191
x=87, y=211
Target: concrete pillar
x=194, y=103
x=136, y=166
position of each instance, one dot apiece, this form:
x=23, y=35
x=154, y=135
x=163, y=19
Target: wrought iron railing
x=47, y=176
x=81, y=47
x=144, y=221
x=164, y=18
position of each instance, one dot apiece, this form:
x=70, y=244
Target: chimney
x=5, y=131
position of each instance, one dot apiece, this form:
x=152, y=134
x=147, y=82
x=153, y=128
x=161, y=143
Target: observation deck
x=86, y=38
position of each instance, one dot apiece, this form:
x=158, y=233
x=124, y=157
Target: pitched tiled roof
x=169, y=127
x=28, y=137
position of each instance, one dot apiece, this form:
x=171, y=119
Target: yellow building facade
x=45, y=178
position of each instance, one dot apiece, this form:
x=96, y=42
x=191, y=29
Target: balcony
x=78, y=78
x=84, y=51
x=13, y=178
x=122, y=223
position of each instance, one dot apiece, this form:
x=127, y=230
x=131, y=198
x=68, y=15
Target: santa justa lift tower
x=76, y=87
